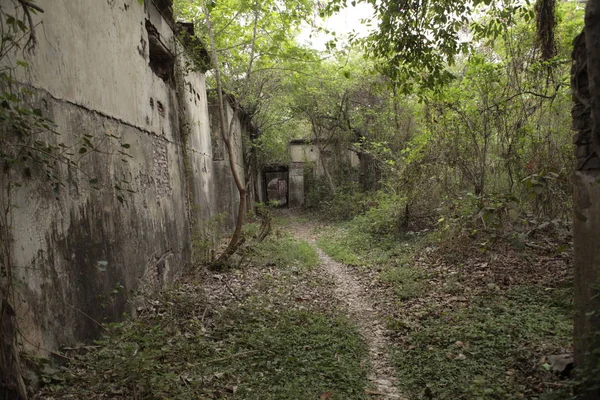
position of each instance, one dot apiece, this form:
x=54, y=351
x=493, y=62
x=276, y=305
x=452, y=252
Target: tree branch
x=27, y=5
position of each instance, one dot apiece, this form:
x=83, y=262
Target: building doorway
x=276, y=183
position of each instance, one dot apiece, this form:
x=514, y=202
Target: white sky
x=342, y=23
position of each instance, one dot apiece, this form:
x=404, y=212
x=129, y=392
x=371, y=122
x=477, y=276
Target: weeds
x=350, y=244
x=250, y=354
x=487, y=350
x=469, y=324
x=285, y=251
x=270, y=342
x=407, y=282
x=339, y=251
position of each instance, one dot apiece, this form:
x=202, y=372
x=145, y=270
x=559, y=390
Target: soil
x=358, y=297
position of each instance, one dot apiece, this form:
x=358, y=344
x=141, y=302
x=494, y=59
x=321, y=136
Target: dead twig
x=81, y=312
x=44, y=349
x=230, y=290
x=242, y=354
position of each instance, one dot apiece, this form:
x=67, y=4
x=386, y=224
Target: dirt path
x=350, y=290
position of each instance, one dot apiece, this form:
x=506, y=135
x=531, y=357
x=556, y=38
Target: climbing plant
x=21, y=149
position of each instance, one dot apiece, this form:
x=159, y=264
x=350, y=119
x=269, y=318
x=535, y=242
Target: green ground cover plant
x=474, y=325
x=265, y=342
x=282, y=250
x=489, y=349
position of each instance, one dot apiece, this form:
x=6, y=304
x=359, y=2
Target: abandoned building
x=122, y=219
x=312, y=157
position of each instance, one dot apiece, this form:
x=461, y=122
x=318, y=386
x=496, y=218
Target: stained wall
x=79, y=252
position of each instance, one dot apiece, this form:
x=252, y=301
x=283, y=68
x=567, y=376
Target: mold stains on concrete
x=80, y=250
x=142, y=48
x=161, y=167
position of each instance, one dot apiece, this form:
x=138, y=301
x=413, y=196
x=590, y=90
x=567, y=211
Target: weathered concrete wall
x=296, y=185
x=79, y=252
x=224, y=188
x=304, y=153
x=195, y=126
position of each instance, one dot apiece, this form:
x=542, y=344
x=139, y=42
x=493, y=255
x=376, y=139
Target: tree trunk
x=11, y=380
x=227, y=136
x=585, y=82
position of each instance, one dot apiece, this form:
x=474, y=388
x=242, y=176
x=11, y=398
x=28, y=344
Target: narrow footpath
x=350, y=291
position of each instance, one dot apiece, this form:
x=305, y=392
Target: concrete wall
x=303, y=153
x=78, y=252
x=225, y=189
x=296, y=185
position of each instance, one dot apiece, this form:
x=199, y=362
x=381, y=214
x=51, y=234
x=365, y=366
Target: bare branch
x=27, y=7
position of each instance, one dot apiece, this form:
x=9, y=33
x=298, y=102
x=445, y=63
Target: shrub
x=386, y=215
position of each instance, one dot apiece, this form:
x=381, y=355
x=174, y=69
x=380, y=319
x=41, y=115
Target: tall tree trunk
x=586, y=195
x=227, y=135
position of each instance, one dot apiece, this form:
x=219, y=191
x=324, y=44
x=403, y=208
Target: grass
x=271, y=345
x=407, y=282
x=489, y=350
x=454, y=336
x=348, y=243
x=284, y=251
x=251, y=354
x=301, y=355
x=339, y=251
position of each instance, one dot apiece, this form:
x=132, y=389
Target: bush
x=347, y=201
x=386, y=215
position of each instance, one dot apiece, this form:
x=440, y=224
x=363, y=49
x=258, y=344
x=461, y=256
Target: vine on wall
x=31, y=148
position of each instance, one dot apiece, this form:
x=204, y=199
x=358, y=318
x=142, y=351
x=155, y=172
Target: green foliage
x=338, y=249
x=485, y=348
x=284, y=251
x=385, y=215
x=470, y=213
x=346, y=203
x=352, y=244
x=247, y=351
x=407, y=282
x=255, y=63
x=318, y=192
x=415, y=41
x=489, y=350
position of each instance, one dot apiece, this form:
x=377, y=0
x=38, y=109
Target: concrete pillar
x=296, y=184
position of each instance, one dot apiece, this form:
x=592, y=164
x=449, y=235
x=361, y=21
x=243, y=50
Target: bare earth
x=349, y=290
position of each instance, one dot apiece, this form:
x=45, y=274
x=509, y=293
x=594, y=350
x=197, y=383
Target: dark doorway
x=276, y=184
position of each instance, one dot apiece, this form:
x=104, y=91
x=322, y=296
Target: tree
x=415, y=43
x=586, y=121
x=246, y=38
x=17, y=34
